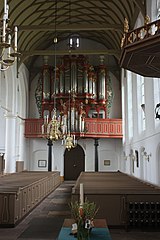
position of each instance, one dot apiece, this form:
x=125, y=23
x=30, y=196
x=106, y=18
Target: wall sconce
x=157, y=109
x=131, y=155
x=124, y=156
x=2, y=166
x=144, y=154
x=143, y=107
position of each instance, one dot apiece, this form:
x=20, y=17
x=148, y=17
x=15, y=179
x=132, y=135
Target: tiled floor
x=45, y=221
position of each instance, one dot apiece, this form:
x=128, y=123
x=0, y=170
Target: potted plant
x=83, y=215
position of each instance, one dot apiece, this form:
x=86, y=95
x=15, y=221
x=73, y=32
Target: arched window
x=158, y=9
x=141, y=103
x=130, y=105
x=156, y=82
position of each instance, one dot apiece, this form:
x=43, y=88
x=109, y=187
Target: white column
x=10, y=144
x=22, y=149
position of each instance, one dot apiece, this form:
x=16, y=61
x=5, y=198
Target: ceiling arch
x=39, y=20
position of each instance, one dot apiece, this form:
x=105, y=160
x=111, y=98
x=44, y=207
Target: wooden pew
x=21, y=192
x=124, y=201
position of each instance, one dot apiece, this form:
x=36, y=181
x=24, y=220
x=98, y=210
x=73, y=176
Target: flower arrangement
x=83, y=215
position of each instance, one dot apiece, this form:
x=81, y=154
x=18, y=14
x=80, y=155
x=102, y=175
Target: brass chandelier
x=53, y=129
x=69, y=139
x=9, y=52
x=60, y=127
x=57, y=128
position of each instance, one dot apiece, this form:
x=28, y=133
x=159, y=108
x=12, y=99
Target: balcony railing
x=146, y=31
x=140, y=50
x=96, y=128
x=103, y=128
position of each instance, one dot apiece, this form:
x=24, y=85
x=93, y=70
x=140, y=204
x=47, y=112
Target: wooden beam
x=72, y=27
x=26, y=54
x=73, y=52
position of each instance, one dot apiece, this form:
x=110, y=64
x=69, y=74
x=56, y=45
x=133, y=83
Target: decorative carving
x=126, y=25
x=87, y=83
x=147, y=20
x=142, y=33
x=38, y=96
x=126, y=28
x=109, y=96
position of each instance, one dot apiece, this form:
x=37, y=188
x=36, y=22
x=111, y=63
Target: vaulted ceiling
x=39, y=21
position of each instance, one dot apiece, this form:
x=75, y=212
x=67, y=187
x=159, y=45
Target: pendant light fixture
x=9, y=52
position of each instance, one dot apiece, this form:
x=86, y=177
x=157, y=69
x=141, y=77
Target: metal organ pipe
x=86, y=83
x=85, y=77
x=102, y=84
x=90, y=80
x=61, y=80
x=46, y=82
x=74, y=76
x=76, y=124
x=56, y=82
x=94, y=88
x=72, y=119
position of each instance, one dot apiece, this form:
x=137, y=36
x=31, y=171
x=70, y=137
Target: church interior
x=79, y=117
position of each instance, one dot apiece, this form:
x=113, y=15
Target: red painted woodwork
x=96, y=128
x=33, y=127
x=103, y=128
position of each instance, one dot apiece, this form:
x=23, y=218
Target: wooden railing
x=103, y=128
x=145, y=32
x=95, y=127
x=33, y=127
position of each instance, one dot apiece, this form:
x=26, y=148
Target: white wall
x=149, y=138
x=116, y=109
x=2, y=111
x=33, y=110
x=109, y=149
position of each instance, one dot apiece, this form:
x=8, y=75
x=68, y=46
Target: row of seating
x=114, y=192
x=21, y=192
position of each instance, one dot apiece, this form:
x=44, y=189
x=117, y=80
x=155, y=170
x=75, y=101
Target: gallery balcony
x=95, y=128
x=141, y=50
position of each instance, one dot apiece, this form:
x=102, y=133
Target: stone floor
x=45, y=221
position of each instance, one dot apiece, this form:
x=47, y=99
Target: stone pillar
x=96, y=144
x=20, y=162
x=10, y=144
x=50, y=144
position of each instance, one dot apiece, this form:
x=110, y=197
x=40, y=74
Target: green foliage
x=87, y=211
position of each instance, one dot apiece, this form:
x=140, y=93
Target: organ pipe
x=87, y=85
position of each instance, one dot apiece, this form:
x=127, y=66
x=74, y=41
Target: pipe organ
x=77, y=90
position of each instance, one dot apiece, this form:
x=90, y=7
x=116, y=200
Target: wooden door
x=74, y=163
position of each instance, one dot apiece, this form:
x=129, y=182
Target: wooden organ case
x=82, y=95
x=77, y=90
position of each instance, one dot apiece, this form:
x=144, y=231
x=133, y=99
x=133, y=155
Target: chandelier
x=69, y=140
x=62, y=126
x=53, y=130
x=9, y=52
